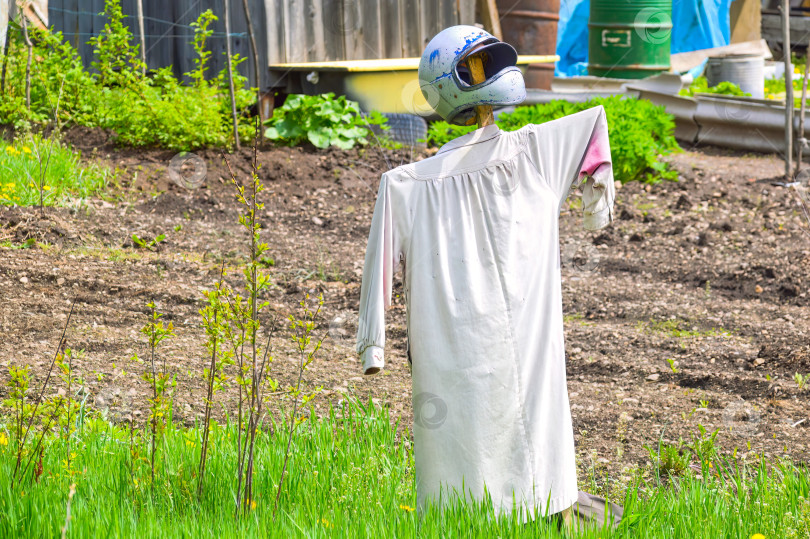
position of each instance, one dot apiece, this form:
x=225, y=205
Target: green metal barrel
x=629, y=39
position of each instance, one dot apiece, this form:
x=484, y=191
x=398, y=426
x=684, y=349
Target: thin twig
x=41, y=393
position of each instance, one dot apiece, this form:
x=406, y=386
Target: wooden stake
x=802, y=141
x=483, y=113
x=230, y=74
x=788, y=90
x=143, y=35
x=30, y=47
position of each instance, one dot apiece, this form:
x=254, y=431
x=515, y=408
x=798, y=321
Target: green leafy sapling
x=215, y=316
x=158, y=378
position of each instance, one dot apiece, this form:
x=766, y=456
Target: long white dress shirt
x=476, y=228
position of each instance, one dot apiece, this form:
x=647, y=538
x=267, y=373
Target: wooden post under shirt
x=483, y=113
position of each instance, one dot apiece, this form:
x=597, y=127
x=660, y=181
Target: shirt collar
x=479, y=135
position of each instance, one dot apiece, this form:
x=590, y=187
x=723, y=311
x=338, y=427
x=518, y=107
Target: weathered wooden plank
x=390, y=29
x=466, y=13
x=410, y=29
x=448, y=14
x=334, y=29
x=371, y=31
x=295, y=31
x=314, y=29
x=353, y=24
x=274, y=30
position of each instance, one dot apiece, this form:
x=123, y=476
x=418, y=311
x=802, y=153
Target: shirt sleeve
x=382, y=256
x=574, y=151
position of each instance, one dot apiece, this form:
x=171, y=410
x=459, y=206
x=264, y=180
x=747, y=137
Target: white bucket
x=745, y=70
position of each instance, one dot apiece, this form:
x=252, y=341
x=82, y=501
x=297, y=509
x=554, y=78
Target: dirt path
x=691, y=308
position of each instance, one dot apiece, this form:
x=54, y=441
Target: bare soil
x=692, y=308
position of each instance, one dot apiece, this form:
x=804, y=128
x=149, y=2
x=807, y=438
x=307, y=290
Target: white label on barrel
x=615, y=38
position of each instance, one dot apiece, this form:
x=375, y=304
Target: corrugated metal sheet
x=168, y=31
x=286, y=30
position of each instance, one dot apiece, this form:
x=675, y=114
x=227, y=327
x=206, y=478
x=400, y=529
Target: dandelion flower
x=46, y=187
x=407, y=508
x=11, y=150
x=326, y=523
x=757, y=536
x=26, y=149
x=3, y=438
x=253, y=506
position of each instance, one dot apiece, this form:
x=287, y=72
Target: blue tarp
x=696, y=24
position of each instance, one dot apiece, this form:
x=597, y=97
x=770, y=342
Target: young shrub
x=158, y=378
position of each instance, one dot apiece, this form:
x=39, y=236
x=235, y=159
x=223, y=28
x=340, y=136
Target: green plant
x=640, y=133
x=43, y=171
x=672, y=366
x=701, y=86
x=672, y=460
x=142, y=110
x=145, y=243
x=323, y=120
x=800, y=380
x=215, y=319
x=158, y=378
x=251, y=361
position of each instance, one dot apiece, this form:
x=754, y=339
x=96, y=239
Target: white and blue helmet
x=447, y=86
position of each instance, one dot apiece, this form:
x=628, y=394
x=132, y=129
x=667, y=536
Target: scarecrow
x=475, y=228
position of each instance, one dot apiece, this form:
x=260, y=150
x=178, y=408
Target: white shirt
x=476, y=228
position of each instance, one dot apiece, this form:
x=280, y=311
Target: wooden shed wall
x=323, y=30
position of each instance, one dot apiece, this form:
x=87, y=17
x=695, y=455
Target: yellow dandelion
x=46, y=187
x=11, y=150
x=3, y=438
x=326, y=523
x=757, y=536
x=26, y=149
x=189, y=443
x=252, y=504
x=407, y=508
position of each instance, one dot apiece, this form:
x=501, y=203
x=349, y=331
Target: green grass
x=28, y=162
x=351, y=476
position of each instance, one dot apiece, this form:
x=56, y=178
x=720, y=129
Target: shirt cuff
x=372, y=358
x=597, y=220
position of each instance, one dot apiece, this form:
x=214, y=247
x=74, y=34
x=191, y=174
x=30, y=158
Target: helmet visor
x=498, y=56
